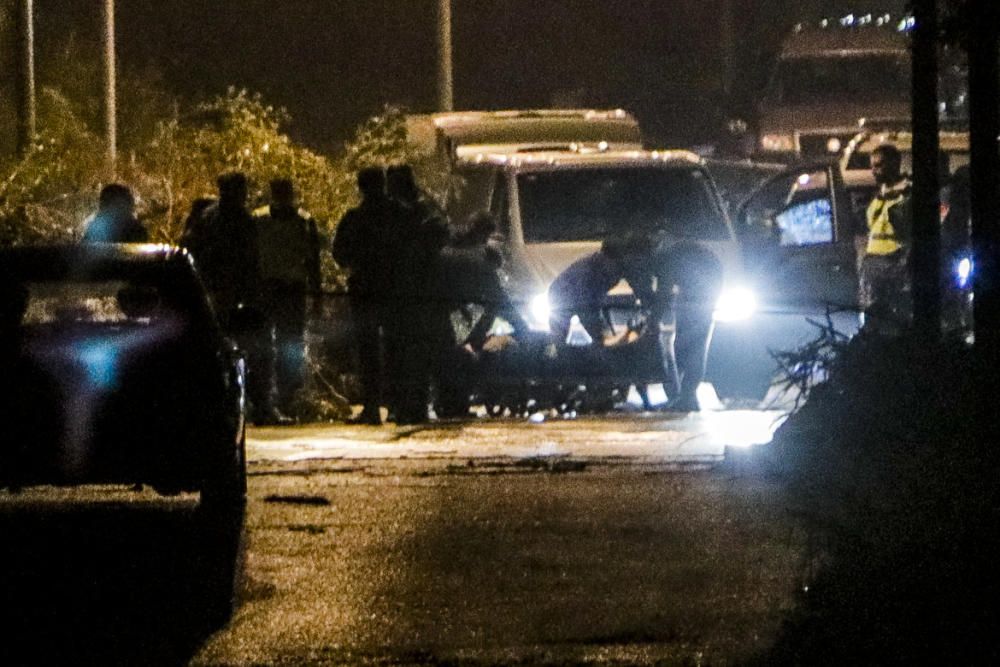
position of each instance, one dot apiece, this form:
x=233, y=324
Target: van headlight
x=540, y=309
x=735, y=304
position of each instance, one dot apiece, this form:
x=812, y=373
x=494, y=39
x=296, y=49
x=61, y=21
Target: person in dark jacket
x=418, y=324
x=360, y=247
x=115, y=220
x=225, y=246
x=290, y=271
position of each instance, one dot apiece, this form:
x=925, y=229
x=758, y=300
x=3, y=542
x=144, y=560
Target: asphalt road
x=623, y=540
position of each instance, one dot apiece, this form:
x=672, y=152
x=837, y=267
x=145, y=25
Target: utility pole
x=24, y=26
x=110, y=100
x=925, y=261
x=445, y=101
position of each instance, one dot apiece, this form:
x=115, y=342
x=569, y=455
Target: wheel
x=221, y=511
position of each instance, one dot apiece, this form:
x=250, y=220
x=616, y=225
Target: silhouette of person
x=225, y=246
x=115, y=220
x=360, y=246
x=290, y=271
x=418, y=327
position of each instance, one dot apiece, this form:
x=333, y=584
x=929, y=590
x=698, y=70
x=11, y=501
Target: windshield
x=863, y=78
x=589, y=204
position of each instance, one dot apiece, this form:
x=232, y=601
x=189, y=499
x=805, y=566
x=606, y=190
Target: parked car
x=117, y=372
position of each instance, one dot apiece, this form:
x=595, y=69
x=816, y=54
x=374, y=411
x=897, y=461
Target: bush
x=894, y=475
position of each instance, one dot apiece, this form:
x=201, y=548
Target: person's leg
x=367, y=339
x=290, y=325
x=694, y=334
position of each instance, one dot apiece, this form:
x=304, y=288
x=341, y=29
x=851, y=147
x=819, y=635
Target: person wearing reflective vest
x=885, y=280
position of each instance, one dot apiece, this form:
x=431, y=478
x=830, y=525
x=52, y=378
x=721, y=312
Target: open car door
x=798, y=237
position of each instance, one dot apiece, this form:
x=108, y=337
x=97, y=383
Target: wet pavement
x=623, y=539
x=700, y=437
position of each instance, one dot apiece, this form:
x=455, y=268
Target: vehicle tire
x=221, y=512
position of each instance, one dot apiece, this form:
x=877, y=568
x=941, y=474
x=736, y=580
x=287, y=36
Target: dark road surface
x=409, y=560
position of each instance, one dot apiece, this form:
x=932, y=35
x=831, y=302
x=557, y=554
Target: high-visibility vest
x=882, y=236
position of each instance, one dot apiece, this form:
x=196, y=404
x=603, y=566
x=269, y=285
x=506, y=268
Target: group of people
x=391, y=245
x=259, y=269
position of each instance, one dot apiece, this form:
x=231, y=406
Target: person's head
x=371, y=182
x=480, y=227
x=233, y=189
x=282, y=193
x=401, y=184
x=887, y=164
x=117, y=200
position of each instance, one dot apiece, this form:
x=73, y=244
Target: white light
x=735, y=304
x=833, y=145
x=540, y=309
x=777, y=142
x=804, y=180
x=963, y=271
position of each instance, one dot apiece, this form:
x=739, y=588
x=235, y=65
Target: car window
x=469, y=193
x=589, y=204
x=104, y=302
x=793, y=209
x=863, y=78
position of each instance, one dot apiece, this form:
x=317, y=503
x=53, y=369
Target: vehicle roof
x=88, y=259
x=583, y=157
x=836, y=41
x=524, y=126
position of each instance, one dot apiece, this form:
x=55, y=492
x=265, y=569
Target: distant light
x=825, y=23
x=847, y=21
x=804, y=179
x=602, y=146
x=866, y=19
x=833, y=145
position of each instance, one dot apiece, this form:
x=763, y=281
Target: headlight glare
x=540, y=308
x=735, y=304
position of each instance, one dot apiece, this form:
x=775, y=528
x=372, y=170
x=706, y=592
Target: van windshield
x=862, y=78
x=590, y=204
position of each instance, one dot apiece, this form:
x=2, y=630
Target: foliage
x=45, y=196
x=893, y=472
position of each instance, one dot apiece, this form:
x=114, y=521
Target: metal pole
x=444, y=74
x=925, y=261
x=110, y=101
x=25, y=87
x=984, y=124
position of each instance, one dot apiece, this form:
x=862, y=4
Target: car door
x=798, y=241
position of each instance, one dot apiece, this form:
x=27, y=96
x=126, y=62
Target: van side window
x=469, y=191
x=500, y=204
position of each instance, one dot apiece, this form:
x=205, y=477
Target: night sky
x=333, y=62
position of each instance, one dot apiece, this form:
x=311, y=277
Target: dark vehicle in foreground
x=118, y=373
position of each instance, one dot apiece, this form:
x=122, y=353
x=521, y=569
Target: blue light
x=101, y=361
x=963, y=271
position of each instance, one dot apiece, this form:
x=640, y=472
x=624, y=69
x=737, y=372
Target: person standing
x=418, y=325
x=224, y=243
x=290, y=272
x=359, y=246
x=885, y=281
x=115, y=220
